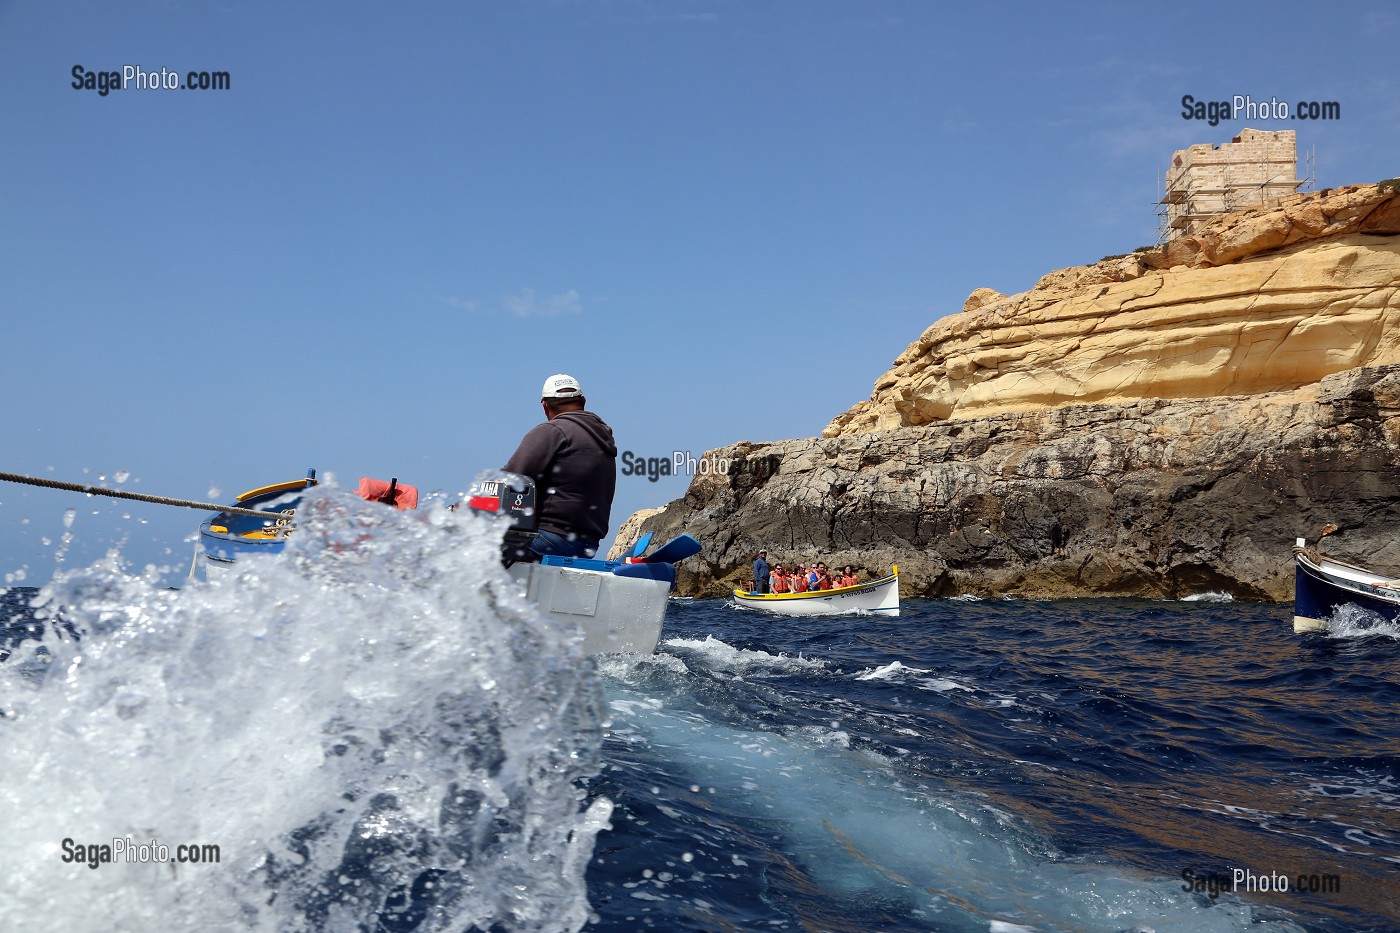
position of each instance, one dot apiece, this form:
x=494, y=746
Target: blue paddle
x=677, y=549
x=641, y=545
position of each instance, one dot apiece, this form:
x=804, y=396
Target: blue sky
x=725, y=218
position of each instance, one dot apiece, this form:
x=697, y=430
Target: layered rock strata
x=1260, y=301
x=1159, y=498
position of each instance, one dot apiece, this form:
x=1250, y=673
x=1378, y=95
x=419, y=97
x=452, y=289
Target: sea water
x=1003, y=765
x=380, y=734
x=374, y=729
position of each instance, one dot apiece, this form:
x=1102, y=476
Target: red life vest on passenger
x=780, y=583
x=800, y=585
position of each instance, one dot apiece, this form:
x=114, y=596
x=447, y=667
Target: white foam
x=378, y=700
x=632, y=667
x=1208, y=597
x=899, y=672
x=1351, y=621
x=889, y=672
x=720, y=654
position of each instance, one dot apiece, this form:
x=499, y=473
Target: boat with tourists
x=1322, y=585
x=876, y=596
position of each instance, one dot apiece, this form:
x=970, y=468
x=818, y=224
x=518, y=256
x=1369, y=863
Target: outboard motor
x=508, y=497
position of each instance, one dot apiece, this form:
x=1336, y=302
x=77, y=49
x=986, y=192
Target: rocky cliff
x=1159, y=424
x=1260, y=301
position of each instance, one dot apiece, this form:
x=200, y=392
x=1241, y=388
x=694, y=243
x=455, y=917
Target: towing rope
x=142, y=497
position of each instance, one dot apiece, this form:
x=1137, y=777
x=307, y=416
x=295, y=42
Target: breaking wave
x=373, y=728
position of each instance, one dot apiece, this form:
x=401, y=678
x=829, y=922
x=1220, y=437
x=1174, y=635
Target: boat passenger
x=823, y=578
x=813, y=578
x=573, y=460
x=780, y=580
x=799, y=583
x=760, y=572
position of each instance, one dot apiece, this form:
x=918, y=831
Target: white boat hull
x=878, y=596
x=614, y=613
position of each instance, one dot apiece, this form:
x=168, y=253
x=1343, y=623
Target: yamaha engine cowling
x=507, y=497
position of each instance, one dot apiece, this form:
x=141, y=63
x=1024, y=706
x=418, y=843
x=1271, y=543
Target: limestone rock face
x=1334, y=212
x=1160, y=424
x=1260, y=301
x=980, y=297
x=630, y=531
x=1160, y=498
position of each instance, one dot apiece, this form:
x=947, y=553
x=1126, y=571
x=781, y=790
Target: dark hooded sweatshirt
x=573, y=461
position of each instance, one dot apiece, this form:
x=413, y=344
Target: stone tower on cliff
x=1255, y=169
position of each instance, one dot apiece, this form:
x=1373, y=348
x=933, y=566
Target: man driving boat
x=572, y=458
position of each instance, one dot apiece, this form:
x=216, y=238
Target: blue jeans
x=549, y=542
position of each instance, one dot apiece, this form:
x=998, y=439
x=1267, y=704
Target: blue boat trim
x=234, y=541
x=645, y=571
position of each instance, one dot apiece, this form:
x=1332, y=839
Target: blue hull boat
x=227, y=536
x=1322, y=586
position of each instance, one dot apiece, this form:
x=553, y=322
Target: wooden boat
x=618, y=605
x=227, y=536
x=878, y=596
x=1322, y=585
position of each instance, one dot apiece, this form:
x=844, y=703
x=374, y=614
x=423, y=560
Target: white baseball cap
x=561, y=386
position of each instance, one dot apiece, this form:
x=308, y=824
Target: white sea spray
x=374, y=721
x=1352, y=621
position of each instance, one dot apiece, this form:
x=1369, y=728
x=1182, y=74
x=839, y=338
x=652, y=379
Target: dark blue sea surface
x=980, y=762
x=994, y=765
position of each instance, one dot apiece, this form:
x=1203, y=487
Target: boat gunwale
x=1371, y=589
x=1370, y=584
